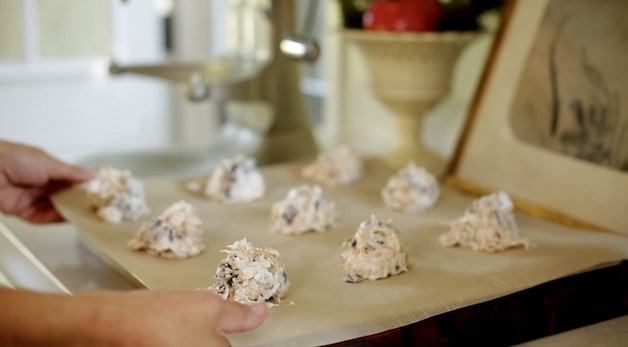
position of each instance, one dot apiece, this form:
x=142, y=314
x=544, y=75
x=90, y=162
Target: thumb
x=70, y=173
x=236, y=317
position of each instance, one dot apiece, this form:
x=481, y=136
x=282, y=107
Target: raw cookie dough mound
x=233, y=181
x=176, y=233
x=375, y=251
x=249, y=274
x=412, y=189
x=340, y=167
x=487, y=225
x=303, y=210
x=116, y=195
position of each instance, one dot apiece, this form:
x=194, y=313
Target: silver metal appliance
x=265, y=87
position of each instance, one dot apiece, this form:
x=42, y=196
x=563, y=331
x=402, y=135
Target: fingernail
x=259, y=309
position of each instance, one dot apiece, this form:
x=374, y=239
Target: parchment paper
x=320, y=308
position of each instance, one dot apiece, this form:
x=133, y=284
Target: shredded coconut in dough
x=375, y=251
x=233, y=181
x=340, y=167
x=249, y=274
x=412, y=189
x=487, y=225
x=116, y=195
x=303, y=210
x=176, y=233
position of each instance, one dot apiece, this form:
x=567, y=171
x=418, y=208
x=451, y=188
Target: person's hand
x=171, y=318
x=123, y=318
x=28, y=176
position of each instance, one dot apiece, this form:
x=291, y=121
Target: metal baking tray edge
x=19, y=268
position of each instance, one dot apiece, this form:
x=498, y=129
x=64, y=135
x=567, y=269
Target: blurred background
x=56, y=92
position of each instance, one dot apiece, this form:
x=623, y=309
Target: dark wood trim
x=547, y=309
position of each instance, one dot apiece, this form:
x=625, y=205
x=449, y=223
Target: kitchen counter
x=613, y=332
x=58, y=247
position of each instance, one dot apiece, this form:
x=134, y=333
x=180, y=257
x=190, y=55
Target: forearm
x=29, y=318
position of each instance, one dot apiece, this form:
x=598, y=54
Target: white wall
x=73, y=118
x=68, y=104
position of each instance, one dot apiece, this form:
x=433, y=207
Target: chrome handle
x=304, y=46
x=300, y=48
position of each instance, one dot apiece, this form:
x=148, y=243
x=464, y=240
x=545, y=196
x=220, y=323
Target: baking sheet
x=320, y=308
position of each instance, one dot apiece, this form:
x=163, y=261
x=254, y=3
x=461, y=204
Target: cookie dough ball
x=342, y=166
x=303, y=210
x=235, y=180
x=116, y=195
x=412, y=189
x=375, y=251
x=487, y=225
x=250, y=274
x=176, y=233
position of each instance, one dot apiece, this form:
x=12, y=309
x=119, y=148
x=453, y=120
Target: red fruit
x=403, y=15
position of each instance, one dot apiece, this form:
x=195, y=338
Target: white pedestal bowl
x=410, y=73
